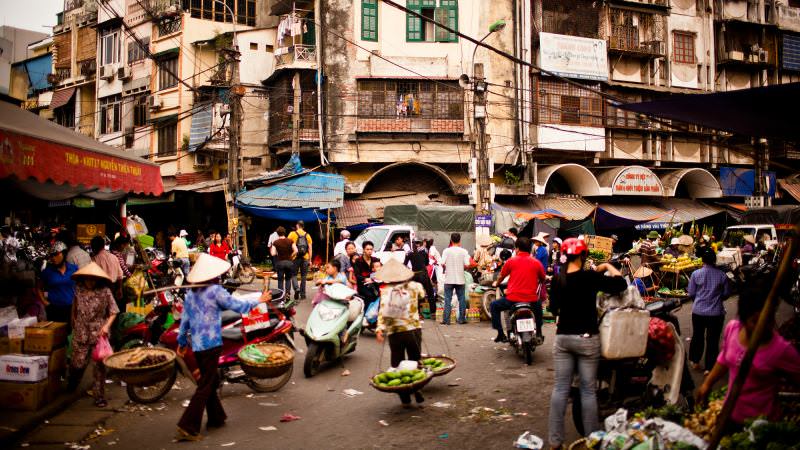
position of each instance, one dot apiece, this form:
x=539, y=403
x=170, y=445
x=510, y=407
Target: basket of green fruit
x=401, y=381
x=438, y=364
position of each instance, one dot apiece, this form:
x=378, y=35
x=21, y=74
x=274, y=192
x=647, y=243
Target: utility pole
x=482, y=173
x=235, y=92
x=296, y=93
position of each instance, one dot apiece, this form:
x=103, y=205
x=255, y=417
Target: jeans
x=503, y=304
x=206, y=395
x=185, y=266
x=570, y=351
x=285, y=270
x=462, y=302
x=710, y=329
x=301, y=267
x=405, y=344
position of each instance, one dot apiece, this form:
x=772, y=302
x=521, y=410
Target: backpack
x=506, y=242
x=302, y=244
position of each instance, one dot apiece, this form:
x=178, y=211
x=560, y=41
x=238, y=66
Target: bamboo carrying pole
x=767, y=314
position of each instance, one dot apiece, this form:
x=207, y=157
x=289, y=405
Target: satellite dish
x=463, y=81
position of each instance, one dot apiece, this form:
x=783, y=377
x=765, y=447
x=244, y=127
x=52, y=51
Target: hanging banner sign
x=637, y=181
x=573, y=57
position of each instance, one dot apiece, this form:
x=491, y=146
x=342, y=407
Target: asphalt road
x=486, y=402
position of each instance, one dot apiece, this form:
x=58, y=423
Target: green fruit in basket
x=383, y=378
x=406, y=380
x=429, y=361
x=377, y=379
x=395, y=382
x=418, y=377
x=392, y=375
x=405, y=373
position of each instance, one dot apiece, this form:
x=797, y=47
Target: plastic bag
x=372, y=310
x=629, y=298
x=102, y=349
x=529, y=441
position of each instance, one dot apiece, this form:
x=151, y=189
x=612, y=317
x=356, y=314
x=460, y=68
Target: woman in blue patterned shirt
x=201, y=323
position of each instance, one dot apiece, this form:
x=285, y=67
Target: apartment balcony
x=624, y=45
x=299, y=56
x=409, y=125
x=755, y=58
x=659, y=5
x=788, y=17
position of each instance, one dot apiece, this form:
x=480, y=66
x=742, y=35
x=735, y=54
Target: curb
x=9, y=439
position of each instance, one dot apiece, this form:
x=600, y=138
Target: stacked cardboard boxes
x=29, y=380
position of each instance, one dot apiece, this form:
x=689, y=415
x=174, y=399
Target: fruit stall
x=675, y=270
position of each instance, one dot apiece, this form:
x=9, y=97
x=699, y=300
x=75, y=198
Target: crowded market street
x=488, y=375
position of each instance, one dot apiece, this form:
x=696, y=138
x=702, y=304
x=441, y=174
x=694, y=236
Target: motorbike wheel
x=152, y=393
x=246, y=274
x=488, y=298
x=314, y=356
x=269, y=384
x=527, y=350
x=132, y=343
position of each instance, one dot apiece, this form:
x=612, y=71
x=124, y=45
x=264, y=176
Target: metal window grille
x=110, y=109
x=571, y=17
x=410, y=98
x=562, y=103
x=169, y=26
x=138, y=52
x=168, y=68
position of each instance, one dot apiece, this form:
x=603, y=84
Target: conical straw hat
x=394, y=272
x=206, y=268
x=643, y=272
x=92, y=270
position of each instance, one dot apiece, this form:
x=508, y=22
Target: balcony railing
x=169, y=26
x=655, y=3
x=296, y=54
x=624, y=42
x=88, y=67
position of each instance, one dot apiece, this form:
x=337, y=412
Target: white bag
x=623, y=333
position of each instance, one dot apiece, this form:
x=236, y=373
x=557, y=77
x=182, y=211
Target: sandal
x=183, y=435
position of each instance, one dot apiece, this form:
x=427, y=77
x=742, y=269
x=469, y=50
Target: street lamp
x=233, y=18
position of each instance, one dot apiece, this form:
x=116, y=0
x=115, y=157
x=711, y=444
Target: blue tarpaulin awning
x=302, y=197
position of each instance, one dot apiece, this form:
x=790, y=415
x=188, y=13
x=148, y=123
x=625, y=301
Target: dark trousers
x=503, y=304
x=206, y=396
x=301, y=267
x=405, y=345
x=423, y=279
x=285, y=270
x=705, y=329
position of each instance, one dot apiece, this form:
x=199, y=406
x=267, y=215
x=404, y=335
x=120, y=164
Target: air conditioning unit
x=106, y=72
x=154, y=101
x=201, y=160
x=763, y=55
x=736, y=55
x=124, y=73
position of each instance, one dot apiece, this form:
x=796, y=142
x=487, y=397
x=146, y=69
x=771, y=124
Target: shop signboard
x=483, y=220
x=573, y=57
x=637, y=181
x=86, y=231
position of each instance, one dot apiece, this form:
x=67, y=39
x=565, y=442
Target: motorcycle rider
x=526, y=276
x=362, y=270
x=577, y=344
x=201, y=318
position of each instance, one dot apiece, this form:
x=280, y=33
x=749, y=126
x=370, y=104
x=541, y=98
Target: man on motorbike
x=526, y=276
x=201, y=323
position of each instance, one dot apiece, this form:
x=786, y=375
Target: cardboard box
x=26, y=368
x=15, y=345
x=23, y=396
x=44, y=337
x=16, y=328
x=57, y=363
x=55, y=386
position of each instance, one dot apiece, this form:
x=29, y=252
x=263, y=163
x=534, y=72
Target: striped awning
x=792, y=187
x=61, y=97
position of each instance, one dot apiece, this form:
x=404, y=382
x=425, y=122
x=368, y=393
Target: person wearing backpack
x=302, y=241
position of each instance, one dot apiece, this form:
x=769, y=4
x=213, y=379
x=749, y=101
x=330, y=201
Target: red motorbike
x=276, y=325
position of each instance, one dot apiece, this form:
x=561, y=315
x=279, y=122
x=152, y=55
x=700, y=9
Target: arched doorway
x=691, y=183
x=567, y=179
x=410, y=176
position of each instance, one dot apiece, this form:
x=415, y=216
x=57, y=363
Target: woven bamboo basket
x=141, y=376
x=267, y=369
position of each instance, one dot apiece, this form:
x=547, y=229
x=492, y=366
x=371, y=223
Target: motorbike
x=241, y=269
x=163, y=269
x=333, y=327
x=635, y=383
x=521, y=326
x=277, y=326
x=166, y=305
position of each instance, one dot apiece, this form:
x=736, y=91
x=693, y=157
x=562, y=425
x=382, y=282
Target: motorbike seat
x=235, y=333
x=229, y=316
x=520, y=305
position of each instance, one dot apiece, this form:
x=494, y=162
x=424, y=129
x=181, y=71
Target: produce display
x=683, y=262
x=435, y=364
x=597, y=255
x=261, y=354
x=762, y=434
x=394, y=378
x=667, y=292
x=702, y=423
x=141, y=357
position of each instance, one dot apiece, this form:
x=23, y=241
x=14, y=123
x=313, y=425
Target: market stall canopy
x=613, y=216
x=680, y=211
x=792, y=187
x=571, y=208
x=301, y=197
x=759, y=112
x=35, y=148
x=370, y=207
x=777, y=215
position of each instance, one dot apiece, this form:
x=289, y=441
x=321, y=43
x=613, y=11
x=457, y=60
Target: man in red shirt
x=526, y=274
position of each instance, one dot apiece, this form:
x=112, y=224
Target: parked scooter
x=241, y=269
x=279, y=328
x=333, y=327
x=635, y=383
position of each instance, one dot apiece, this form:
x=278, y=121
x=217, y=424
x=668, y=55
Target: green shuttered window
x=369, y=20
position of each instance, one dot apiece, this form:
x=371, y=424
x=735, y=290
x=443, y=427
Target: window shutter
x=440, y=16
x=447, y=14
x=413, y=23
x=369, y=20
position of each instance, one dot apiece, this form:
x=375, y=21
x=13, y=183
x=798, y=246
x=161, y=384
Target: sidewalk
x=17, y=424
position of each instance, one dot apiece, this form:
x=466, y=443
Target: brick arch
x=435, y=170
